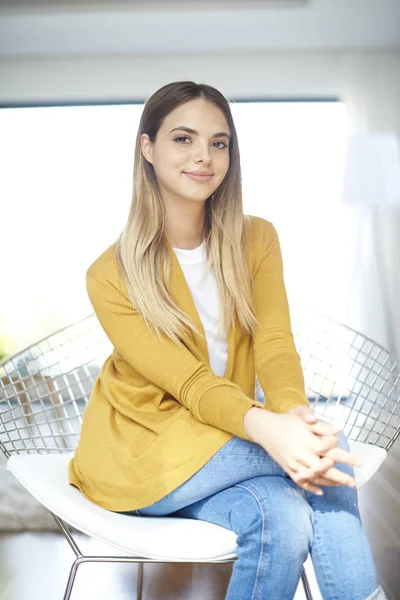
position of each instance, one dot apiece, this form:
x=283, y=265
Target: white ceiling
x=171, y=4
x=29, y=28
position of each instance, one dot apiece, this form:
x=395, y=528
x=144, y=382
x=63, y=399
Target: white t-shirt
x=206, y=298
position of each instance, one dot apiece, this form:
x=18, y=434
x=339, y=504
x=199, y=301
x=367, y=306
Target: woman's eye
x=185, y=137
x=223, y=144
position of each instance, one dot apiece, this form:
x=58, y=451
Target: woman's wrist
x=256, y=423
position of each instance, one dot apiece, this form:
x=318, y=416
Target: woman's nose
x=203, y=155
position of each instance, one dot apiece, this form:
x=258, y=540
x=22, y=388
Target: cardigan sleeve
x=277, y=362
x=170, y=365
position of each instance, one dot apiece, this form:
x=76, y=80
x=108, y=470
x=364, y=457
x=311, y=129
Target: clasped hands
x=322, y=471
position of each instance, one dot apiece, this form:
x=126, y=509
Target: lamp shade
x=372, y=170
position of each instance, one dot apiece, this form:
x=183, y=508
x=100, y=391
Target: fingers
x=320, y=468
x=315, y=466
x=305, y=412
x=322, y=428
x=322, y=480
x=326, y=447
x=340, y=455
x=323, y=444
x=310, y=468
x=306, y=484
x=330, y=477
x=308, y=415
x=311, y=460
x=310, y=487
x=322, y=474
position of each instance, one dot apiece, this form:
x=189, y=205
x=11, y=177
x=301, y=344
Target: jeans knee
x=247, y=516
x=285, y=526
x=299, y=529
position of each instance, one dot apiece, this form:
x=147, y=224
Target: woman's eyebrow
x=194, y=132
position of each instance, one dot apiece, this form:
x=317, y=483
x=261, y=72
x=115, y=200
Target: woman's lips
x=199, y=177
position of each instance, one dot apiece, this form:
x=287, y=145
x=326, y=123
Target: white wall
x=90, y=78
x=207, y=27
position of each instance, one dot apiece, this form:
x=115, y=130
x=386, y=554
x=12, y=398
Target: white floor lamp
x=372, y=181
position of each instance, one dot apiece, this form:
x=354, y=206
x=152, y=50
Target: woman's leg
x=273, y=523
x=236, y=461
x=340, y=553
x=242, y=488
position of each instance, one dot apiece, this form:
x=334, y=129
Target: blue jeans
x=242, y=488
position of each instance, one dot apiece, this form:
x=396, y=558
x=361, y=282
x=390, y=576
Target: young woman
x=192, y=297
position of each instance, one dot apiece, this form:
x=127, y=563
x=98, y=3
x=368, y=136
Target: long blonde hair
x=141, y=249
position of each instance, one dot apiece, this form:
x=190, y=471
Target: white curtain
x=372, y=96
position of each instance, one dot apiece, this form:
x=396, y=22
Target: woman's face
x=176, y=151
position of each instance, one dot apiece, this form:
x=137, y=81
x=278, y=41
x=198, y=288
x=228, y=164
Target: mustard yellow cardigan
x=157, y=412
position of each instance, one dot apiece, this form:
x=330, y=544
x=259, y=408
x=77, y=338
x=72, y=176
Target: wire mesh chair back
x=350, y=380
x=44, y=389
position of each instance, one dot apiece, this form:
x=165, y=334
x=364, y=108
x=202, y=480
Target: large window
x=66, y=190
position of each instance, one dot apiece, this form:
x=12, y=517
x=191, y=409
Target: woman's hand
x=295, y=444
x=321, y=474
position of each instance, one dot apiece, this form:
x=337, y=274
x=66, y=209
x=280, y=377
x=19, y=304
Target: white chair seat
x=45, y=476
x=372, y=457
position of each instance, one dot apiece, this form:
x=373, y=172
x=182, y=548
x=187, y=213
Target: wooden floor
x=35, y=566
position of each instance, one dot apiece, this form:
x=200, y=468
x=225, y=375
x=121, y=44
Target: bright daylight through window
x=66, y=190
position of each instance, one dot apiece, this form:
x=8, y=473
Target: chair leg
x=72, y=574
x=306, y=585
x=139, y=591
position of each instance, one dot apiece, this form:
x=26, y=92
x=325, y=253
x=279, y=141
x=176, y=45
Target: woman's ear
x=146, y=147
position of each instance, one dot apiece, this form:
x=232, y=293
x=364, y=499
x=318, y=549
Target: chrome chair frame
x=350, y=380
